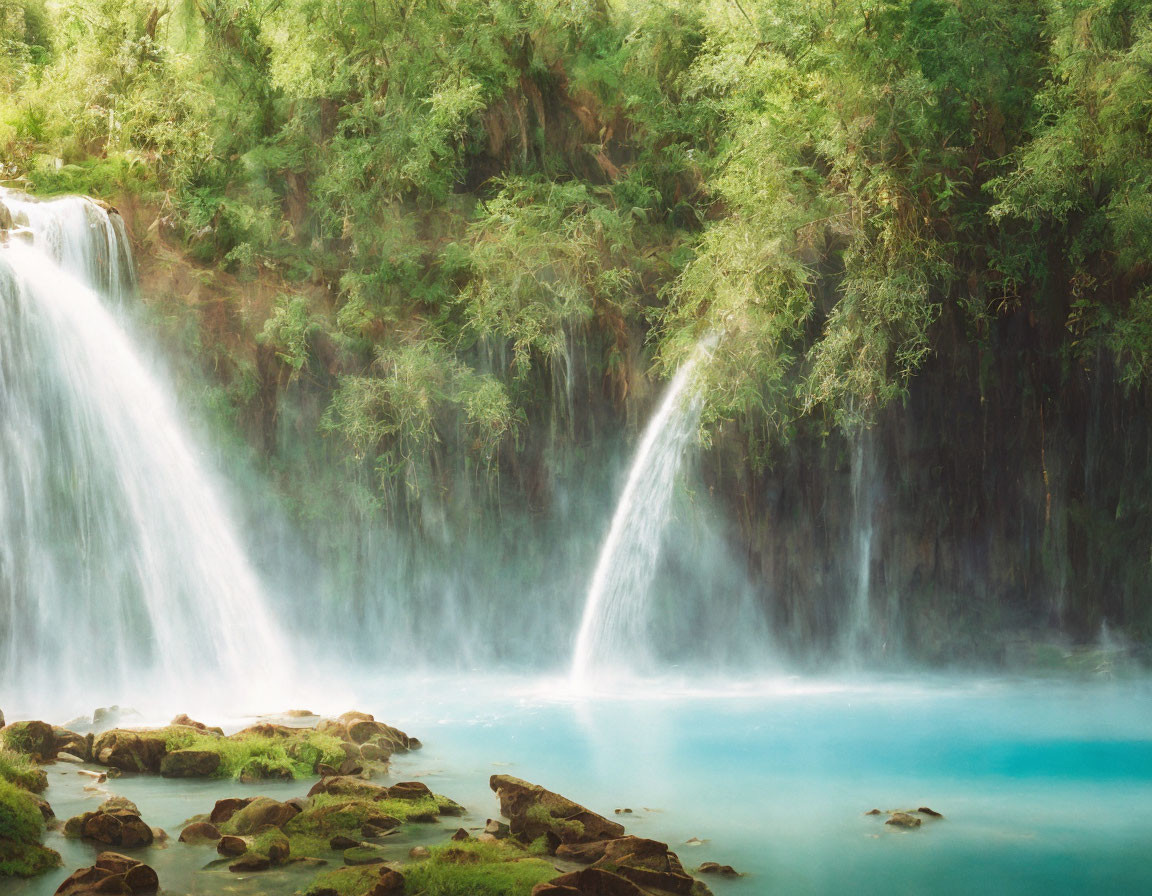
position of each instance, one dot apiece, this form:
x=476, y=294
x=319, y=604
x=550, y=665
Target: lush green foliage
x=21, y=827
x=264, y=757
x=480, y=214
x=19, y=769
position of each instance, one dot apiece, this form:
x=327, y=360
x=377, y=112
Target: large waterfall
x=612, y=632
x=121, y=573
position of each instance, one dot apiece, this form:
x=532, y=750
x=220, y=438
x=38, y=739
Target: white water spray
x=121, y=575
x=612, y=628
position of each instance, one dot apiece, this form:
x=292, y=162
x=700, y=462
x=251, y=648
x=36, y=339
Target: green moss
x=18, y=769
x=265, y=757
x=21, y=826
x=477, y=869
x=329, y=814
x=346, y=881
x=26, y=859
x=542, y=815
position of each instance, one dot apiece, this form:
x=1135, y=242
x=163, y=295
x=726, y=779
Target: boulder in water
x=260, y=813
x=112, y=873
x=535, y=812
x=200, y=832
x=116, y=823
x=903, y=820
x=718, y=869
x=229, y=845
x=227, y=807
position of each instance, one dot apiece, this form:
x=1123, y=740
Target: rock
x=36, y=739
x=717, y=868
x=391, y=883
x=200, y=832
x=226, y=808
x=461, y=834
x=189, y=764
x=129, y=751
x=267, y=730
x=623, y=811
x=873, y=812
x=589, y=882
x=186, y=722
x=342, y=785
x=250, y=861
x=42, y=804
x=374, y=753
x=257, y=769
x=231, y=846
x=410, y=791
x=112, y=873
x=380, y=823
x=419, y=852
x=414, y=744
x=364, y=855
x=497, y=829
x=159, y=835
x=6, y=223
x=446, y=806
x=351, y=767
x=904, y=820
x=69, y=758
x=110, y=716
x=261, y=812
x=341, y=843
x=646, y=863
x=298, y=714
x=116, y=823
x=931, y=813
x=535, y=812
x=326, y=771
x=277, y=848
x=79, y=745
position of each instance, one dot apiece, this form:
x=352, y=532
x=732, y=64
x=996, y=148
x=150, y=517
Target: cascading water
x=612, y=628
x=859, y=624
x=121, y=574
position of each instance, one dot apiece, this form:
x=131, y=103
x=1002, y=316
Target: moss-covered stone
x=21, y=829
x=21, y=770
x=35, y=739
x=470, y=868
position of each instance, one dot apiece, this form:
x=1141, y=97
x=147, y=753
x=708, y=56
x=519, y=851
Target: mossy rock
x=21, y=770
x=21, y=828
x=478, y=869
x=35, y=739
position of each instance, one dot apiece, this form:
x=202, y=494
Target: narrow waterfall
x=859, y=634
x=121, y=574
x=612, y=628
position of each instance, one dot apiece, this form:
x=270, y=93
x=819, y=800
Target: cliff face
x=1003, y=502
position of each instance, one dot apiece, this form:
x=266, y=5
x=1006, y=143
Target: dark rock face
x=116, y=823
x=200, y=832
x=189, y=764
x=718, y=869
x=129, y=751
x=112, y=873
x=535, y=812
x=37, y=739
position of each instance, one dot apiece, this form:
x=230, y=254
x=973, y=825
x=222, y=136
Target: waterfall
x=612, y=628
x=859, y=633
x=121, y=574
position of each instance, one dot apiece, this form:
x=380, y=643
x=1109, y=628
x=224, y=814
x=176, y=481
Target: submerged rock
x=718, y=869
x=535, y=812
x=229, y=845
x=904, y=820
x=931, y=813
x=112, y=873
x=365, y=855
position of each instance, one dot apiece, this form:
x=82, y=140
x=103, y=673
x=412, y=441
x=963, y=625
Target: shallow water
x=1046, y=787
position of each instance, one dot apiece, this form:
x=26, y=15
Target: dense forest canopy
x=488, y=224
